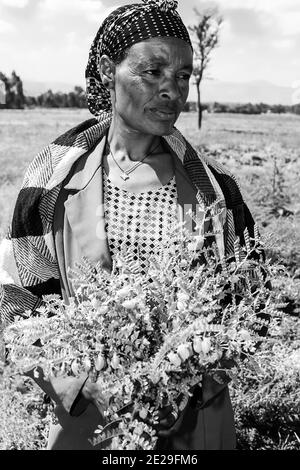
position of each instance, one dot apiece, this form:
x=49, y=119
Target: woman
x=121, y=178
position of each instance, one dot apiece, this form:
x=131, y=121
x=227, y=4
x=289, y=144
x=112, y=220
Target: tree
x=17, y=90
x=13, y=95
x=4, y=89
x=205, y=35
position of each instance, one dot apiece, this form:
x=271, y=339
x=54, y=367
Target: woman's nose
x=169, y=89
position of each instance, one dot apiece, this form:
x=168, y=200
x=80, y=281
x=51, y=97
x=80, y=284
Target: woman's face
x=151, y=85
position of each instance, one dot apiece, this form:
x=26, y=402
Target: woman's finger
x=163, y=412
x=173, y=429
x=168, y=421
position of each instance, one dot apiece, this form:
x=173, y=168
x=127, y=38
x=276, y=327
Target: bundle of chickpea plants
x=148, y=339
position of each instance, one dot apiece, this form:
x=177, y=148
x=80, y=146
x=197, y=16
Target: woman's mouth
x=165, y=114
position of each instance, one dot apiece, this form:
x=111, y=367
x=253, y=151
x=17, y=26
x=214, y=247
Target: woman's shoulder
x=71, y=136
x=57, y=156
x=35, y=202
x=226, y=179
x=214, y=164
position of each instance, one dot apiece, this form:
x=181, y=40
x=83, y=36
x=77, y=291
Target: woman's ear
x=107, y=71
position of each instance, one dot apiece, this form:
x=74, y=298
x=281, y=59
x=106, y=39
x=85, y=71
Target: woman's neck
x=126, y=143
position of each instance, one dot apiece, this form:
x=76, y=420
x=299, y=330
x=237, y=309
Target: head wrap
x=124, y=27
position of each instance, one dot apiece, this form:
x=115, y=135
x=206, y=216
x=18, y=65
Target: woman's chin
x=152, y=126
x=162, y=127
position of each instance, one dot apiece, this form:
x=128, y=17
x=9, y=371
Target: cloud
x=290, y=22
x=283, y=43
x=245, y=22
x=15, y=3
x=258, y=40
x=6, y=27
x=277, y=17
x=91, y=10
x=19, y=11
x=266, y=5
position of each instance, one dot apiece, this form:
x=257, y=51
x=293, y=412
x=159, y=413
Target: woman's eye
x=184, y=76
x=153, y=72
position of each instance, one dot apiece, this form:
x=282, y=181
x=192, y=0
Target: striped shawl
x=28, y=265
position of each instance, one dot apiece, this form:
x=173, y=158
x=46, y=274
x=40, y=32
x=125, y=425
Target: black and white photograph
x=150, y=228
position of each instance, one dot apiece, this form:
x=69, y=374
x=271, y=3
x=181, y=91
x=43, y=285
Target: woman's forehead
x=160, y=49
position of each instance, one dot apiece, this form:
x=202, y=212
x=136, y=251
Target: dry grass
x=235, y=129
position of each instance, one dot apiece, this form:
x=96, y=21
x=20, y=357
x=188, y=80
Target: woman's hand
x=91, y=393
x=168, y=421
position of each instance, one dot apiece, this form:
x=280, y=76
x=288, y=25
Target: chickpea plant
x=147, y=340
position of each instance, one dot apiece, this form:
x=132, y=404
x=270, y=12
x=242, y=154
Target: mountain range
x=243, y=92
x=211, y=90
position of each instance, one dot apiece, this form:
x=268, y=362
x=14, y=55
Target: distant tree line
x=73, y=99
x=243, y=108
x=12, y=97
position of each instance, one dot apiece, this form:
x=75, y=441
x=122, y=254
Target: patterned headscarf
x=124, y=27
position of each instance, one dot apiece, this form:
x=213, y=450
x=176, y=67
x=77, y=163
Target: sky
x=49, y=40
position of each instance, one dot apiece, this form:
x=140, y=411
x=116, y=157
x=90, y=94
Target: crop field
x=263, y=152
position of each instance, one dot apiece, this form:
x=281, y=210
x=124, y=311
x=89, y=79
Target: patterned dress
x=138, y=222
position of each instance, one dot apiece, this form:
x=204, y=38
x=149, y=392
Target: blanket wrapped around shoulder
x=28, y=265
